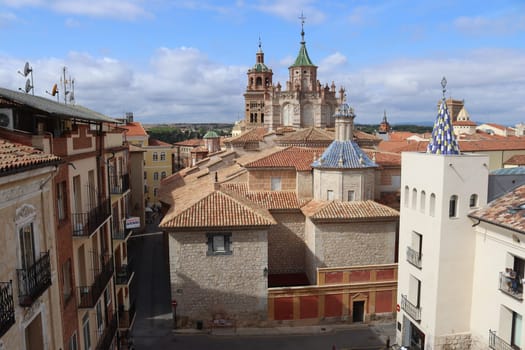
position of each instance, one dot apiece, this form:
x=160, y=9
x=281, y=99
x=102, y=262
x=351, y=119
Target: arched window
x=432, y=204
x=163, y=175
x=473, y=202
x=155, y=176
x=406, y=196
x=258, y=81
x=414, y=198
x=453, y=207
x=422, y=201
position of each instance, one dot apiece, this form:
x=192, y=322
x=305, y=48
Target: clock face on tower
x=4, y=120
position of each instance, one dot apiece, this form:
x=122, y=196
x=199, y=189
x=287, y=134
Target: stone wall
x=459, y=341
x=260, y=180
x=350, y=244
x=286, y=246
x=234, y=286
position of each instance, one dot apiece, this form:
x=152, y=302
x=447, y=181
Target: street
x=153, y=328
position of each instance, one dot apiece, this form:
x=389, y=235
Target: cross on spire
x=302, y=18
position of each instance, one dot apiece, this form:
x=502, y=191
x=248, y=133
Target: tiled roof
x=467, y=144
x=190, y=143
x=200, y=149
x=495, y=126
x=348, y=211
x=400, y=135
x=298, y=157
x=15, y=157
x=506, y=211
x=343, y=155
x=276, y=199
x=155, y=142
x=518, y=159
x=219, y=209
x=464, y=123
x=308, y=135
x=517, y=170
x=384, y=158
x=302, y=58
x=134, y=129
x=443, y=140
x=361, y=135
x=252, y=135
x=237, y=187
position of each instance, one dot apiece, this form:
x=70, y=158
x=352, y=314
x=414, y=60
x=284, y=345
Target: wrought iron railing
x=511, y=284
x=124, y=273
x=88, y=295
x=34, y=280
x=414, y=257
x=85, y=224
x=126, y=317
x=7, y=307
x=497, y=343
x=119, y=183
x=411, y=309
x=106, y=336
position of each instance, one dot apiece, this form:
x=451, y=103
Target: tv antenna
x=29, y=82
x=68, y=87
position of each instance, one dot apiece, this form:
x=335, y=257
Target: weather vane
x=444, y=85
x=302, y=18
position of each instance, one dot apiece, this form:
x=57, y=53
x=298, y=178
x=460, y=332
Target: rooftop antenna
x=444, y=85
x=29, y=82
x=68, y=86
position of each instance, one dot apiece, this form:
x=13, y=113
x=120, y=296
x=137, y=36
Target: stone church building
x=303, y=102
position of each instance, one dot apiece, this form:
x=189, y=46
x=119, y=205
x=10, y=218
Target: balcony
x=511, y=284
x=120, y=234
x=88, y=295
x=414, y=257
x=497, y=343
x=85, y=224
x=411, y=309
x=119, y=183
x=107, y=335
x=7, y=307
x=34, y=281
x=126, y=317
x=124, y=273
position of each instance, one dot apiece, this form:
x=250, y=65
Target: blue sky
x=186, y=61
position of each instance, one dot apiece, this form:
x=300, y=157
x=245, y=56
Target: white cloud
x=6, y=18
x=496, y=25
x=289, y=9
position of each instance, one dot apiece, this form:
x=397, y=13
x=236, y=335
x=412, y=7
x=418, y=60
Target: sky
x=171, y=61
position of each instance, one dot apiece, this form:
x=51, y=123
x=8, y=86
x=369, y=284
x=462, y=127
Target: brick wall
x=231, y=285
x=286, y=247
x=260, y=180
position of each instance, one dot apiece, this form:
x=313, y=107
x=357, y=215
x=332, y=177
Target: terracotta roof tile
x=464, y=123
x=253, y=135
x=348, y=211
x=308, y=135
x=384, y=158
x=134, y=129
x=155, y=142
x=506, y=211
x=518, y=159
x=190, y=143
x=15, y=157
x=219, y=209
x=299, y=158
x=276, y=199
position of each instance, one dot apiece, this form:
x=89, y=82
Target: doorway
x=358, y=311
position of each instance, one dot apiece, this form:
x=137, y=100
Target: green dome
x=211, y=135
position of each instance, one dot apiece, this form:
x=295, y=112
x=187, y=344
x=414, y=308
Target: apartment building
x=91, y=221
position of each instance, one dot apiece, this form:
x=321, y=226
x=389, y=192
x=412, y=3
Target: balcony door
x=34, y=335
x=28, y=253
x=517, y=324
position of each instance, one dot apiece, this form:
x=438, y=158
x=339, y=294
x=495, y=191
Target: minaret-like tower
x=259, y=84
x=303, y=73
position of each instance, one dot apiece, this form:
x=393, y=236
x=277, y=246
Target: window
x=155, y=156
x=163, y=175
x=219, y=244
x=73, y=343
x=414, y=198
x=330, y=195
x=432, y=204
x=406, y=197
x=453, y=207
x=517, y=323
x=145, y=175
x=156, y=176
x=414, y=291
x=422, y=202
x=61, y=200
x=27, y=246
x=275, y=183
x=86, y=332
x=107, y=296
x=155, y=191
x=66, y=280
x=473, y=201
x=351, y=195
x=100, y=321
x=162, y=156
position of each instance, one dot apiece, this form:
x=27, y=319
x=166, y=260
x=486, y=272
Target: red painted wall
x=333, y=305
x=283, y=308
x=308, y=306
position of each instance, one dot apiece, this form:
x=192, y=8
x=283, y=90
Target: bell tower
x=257, y=90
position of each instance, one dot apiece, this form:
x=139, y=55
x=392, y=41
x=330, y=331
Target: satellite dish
x=54, y=91
x=28, y=86
x=72, y=96
x=27, y=69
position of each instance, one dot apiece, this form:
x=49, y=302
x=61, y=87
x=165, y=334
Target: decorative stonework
x=25, y=213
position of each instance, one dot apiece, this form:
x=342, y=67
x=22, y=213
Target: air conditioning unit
x=6, y=118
